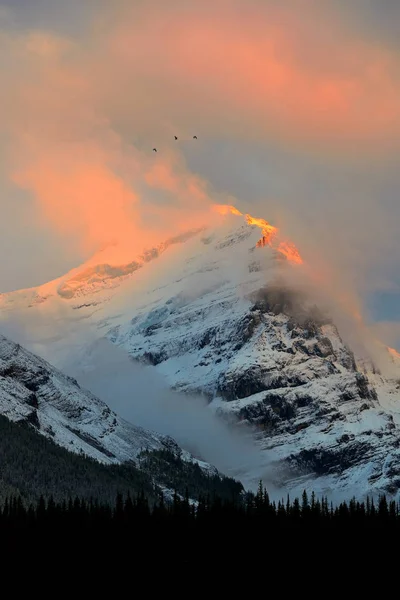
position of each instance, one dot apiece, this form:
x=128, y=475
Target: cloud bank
x=138, y=394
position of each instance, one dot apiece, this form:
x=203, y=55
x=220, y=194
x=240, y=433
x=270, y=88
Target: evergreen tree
x=383, y=510
x=305, y=507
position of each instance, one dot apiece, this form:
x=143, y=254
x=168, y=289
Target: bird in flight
x=195, y=137
x=154, y=149
x=175, y=137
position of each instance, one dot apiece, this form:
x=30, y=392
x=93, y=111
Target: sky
x=296, y=105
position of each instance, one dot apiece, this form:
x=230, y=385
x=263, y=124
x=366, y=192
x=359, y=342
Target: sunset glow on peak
x=269, y=233
x=394, y=352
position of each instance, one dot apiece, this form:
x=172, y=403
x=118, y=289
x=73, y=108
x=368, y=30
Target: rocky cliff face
x=317, y=415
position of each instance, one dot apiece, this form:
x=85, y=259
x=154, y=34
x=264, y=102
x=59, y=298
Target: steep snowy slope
x=32, y=390
x=216, y=314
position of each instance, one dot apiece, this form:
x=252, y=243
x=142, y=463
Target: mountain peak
x=270, y=235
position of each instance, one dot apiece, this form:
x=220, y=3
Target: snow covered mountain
x=215, y=312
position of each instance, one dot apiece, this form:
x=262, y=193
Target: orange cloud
x=81, y=197
x=89, y=184
x=82, y=115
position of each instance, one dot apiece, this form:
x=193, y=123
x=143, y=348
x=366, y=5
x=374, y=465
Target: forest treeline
x=249, y=511
x=204, y=535
x=31, y=466
x=52, y=500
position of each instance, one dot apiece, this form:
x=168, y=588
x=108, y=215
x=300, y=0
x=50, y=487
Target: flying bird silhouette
x=195, y=137
x=154, y=149
x=175, y=137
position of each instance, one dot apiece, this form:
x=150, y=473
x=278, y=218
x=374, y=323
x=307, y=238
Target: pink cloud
x=80, y=117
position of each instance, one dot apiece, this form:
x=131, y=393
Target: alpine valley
x=221, y=311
